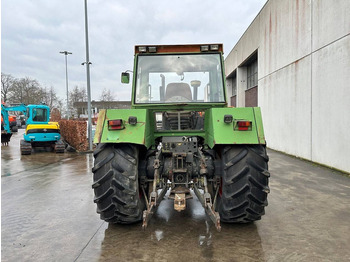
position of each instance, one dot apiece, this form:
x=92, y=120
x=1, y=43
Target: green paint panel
x=259, y=125
x=219, y=132
x=136, y=134
x=216, y=130
x=99, y=126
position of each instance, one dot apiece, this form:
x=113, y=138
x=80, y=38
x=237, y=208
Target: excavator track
x=26, y=147
x=59, y=146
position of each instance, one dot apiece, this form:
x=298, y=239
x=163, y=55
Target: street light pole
x=66, y=53
x=87, y=62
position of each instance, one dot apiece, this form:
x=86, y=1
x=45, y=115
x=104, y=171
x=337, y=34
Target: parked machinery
x=40, y=132
x=180, y=135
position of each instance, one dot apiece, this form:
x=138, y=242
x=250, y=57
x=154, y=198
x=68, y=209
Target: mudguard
x=137, y=133
x=219, y=132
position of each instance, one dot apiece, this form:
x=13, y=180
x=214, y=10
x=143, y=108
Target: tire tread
x=115, y=183
x=244, y=183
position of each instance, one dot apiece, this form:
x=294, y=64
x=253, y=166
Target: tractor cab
x=189, y=74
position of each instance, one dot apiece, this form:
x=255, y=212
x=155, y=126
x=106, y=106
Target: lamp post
x=87, y=62
x=66, y=53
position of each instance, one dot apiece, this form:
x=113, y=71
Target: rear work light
x=214, y=47
x=115, y=124
x=204, y=48
x=152, y=49
x=243, y=125
x=228, y=119
x=142, y=49
x=132, y=120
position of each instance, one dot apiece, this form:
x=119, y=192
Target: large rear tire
x=115, y=183
x=244, y=189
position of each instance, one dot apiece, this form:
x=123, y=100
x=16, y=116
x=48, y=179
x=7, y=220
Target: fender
x=138, y=133
x=219, y=132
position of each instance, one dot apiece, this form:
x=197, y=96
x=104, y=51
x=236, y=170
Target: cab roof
x=190, y=48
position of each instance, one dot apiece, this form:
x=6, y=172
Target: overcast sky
x=33, y=32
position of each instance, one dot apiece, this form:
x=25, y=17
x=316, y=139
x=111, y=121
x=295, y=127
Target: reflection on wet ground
x=185, y=236
x=48, y=214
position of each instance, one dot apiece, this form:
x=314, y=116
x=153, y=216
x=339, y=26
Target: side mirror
x=125, y=78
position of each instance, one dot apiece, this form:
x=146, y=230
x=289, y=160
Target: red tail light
x=115, y=124
x=243, y=125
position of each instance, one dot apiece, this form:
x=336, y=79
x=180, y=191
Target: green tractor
x=180, y=136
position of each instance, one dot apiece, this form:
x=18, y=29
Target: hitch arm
x=147, y=214
x=207, y=204
x=154, y=198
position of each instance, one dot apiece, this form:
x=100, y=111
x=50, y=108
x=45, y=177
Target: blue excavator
x=40, y=132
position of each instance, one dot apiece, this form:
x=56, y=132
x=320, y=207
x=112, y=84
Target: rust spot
x=297, y=21
x=297, y=3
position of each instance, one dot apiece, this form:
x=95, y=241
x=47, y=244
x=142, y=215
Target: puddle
x=159, y=234
x=206, y=240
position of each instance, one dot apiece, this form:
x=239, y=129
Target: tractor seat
x=178, y=89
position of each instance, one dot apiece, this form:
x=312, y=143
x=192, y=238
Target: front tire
x=115, y=183
x=244, y=186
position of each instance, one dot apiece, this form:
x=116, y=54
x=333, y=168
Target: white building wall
x=285, y=34
x=331, y=104
x=285, y=98
x=304, y=77
x=229, y=87
x=330, y=22
x=241, y=86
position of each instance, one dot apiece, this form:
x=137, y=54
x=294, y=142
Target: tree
x=26, y=91
x=50, y=98
x=6, y=84
x=106, y=96
x=78, y=94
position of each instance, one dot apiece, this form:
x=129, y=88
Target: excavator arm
x=5, y=123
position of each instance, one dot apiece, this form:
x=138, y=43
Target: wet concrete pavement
x=47, y=214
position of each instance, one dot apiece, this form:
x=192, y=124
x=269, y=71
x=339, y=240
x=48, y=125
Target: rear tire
x=115, y=183
x=244, y=183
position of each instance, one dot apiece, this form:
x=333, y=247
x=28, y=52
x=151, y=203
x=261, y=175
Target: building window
x=252, y=74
